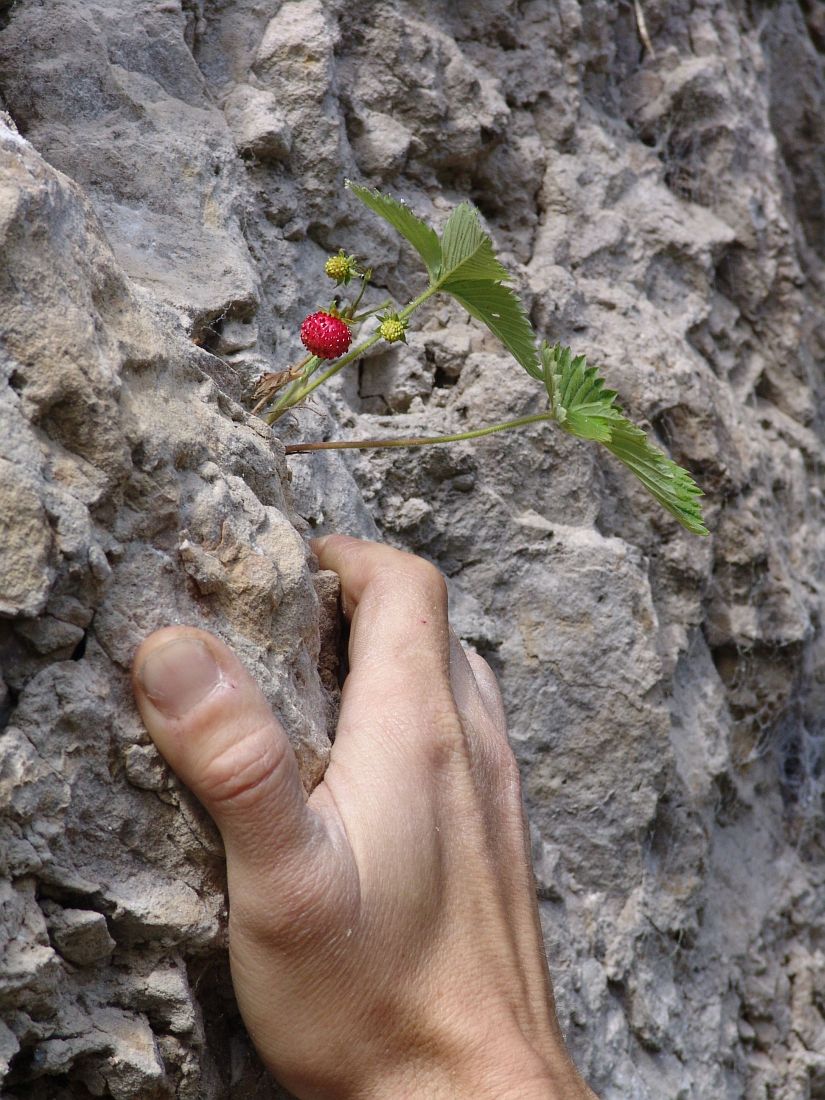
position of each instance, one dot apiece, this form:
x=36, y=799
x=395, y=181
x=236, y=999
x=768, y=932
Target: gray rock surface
x=170, y=183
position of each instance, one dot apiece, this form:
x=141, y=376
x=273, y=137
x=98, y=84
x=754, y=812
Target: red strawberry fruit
x=325, y=336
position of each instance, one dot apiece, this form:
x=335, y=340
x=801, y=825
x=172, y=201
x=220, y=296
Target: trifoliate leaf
x=672, y=486
x=467, y=251
x=500, y=310
x=579, y=401
x=423, y=239
x=583, y=407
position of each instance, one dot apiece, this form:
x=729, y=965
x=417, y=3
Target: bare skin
x=384, y=934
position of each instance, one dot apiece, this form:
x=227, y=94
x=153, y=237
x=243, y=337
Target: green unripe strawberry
x=341, y=267
x=393, y=329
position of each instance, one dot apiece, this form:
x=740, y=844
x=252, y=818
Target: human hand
x=384, y=933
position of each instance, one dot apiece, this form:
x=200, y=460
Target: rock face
x=170, y=183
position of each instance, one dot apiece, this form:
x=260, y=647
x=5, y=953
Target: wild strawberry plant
x=461, y=263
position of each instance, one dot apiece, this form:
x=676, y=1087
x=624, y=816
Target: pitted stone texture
x=662, y=214
x=663, y=701
x=158, y=503
x=112, y=95
x=79, y=935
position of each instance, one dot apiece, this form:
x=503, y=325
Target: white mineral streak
x=165, y=210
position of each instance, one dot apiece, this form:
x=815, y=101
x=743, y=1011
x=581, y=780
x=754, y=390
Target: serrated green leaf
x=672, y=486
x=423, y=239
x=467, y=251
x=499, y=308
x=578, y=398
x=584, y=407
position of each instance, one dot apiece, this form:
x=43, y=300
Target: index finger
x=399, y=728
x=397, y=607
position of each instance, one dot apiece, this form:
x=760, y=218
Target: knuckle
x=444, y=741
x=499, y=762
x=295, y=915
x=242, y=774
x=430, y=580
x=309, y=904
x=506, y=765
x=416, y=575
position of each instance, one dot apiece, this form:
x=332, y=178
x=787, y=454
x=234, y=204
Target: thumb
x=212, y=724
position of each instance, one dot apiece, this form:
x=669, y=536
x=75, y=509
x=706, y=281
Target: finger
x=488, y=688
x=399, y=731
x=218, y=734
x=465, y=688
x=476, y=690
x=397, y=605
x=479, y=705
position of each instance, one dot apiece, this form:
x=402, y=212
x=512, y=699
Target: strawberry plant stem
x=292, y=397
x=365, y=278
x=414, y=441
x=304, y=388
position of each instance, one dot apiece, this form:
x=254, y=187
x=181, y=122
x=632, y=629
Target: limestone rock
x=79, y=935
x=257, y=123
x=143, y=497
x=166, y=203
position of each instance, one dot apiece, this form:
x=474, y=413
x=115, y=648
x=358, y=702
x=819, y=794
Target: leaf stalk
x=415, y=441
x=304, y=389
